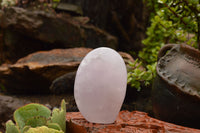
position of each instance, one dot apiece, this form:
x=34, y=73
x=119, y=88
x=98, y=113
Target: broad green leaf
x=25, y=113
x=43, y=129
x=36, y=121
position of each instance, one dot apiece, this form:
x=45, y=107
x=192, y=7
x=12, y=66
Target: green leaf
x=54, y=126
x=162, y=1
x=11, y=128
x=27, y=112
x=187, y=19
x=146, y=83
x=43, y=129
x=36, y=121
x=59, y=116
x=25, y=129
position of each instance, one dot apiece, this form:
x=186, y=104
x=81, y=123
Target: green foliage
x=172, y=21
x=138, y=75
x=55, y=3
x=34, y=118
x=2, y=87
x=58, y=116
x=7, y=3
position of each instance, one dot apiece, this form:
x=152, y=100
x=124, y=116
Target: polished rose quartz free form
x=100, y=85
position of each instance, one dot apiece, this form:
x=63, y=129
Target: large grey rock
x=26, y=31
x=34, y=73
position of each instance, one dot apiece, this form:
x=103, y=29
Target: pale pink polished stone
x=100, y=85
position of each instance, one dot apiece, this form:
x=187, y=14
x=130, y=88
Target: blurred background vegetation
x=171, y=21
